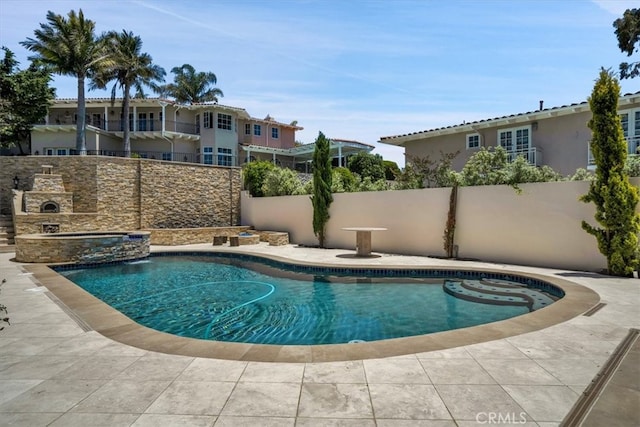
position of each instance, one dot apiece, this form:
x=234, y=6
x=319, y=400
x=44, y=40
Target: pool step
x=497, y=292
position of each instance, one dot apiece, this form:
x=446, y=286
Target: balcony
x=141, y=125
x=150, y=126
x=633, y=148
x=532, y=155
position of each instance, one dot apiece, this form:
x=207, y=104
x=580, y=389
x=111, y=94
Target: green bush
x=632, y=165
x=254, y=174
x=366, y=164
x=368, y=184
x=582, y=174
x=343, y=180
x=281, y=182
x=391, y=170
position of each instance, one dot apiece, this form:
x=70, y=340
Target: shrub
x=366, y=164
x=391, y=170
x=611, y=192
x=343, y=181
x=281, y=182
x=254, y=174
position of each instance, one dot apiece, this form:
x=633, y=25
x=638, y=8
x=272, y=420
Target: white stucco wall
x=541, y=226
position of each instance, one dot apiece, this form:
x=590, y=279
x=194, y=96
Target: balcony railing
x=153, y=126
x=532, y=155
x=141, y=125
x=633, y=148
x=155, y=155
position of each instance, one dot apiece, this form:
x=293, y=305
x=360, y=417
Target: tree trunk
x=81, y=141
x=126, y=136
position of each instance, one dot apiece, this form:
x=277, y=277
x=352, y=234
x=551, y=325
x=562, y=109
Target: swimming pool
x=241, y=298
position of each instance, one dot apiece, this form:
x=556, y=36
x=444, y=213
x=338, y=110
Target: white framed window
x=207, y=120
x=257, y=130
x=225, y=157
x=274, y=133
x=208, y=155
x=56, y=151
x=247, y=128
x=630, y=120
x=473, y=141
x=515, y=140
x=224, y=121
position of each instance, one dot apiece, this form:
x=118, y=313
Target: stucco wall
x=563, y=141
x=540, y=226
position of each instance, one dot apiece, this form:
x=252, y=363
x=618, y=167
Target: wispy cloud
x=616, y=7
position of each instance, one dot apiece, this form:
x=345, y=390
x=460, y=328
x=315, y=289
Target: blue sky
x=363, y=69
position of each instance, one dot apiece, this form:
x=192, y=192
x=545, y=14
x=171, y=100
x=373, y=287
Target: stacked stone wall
x=48, y=183
x=175, y=195
x=79, y=248
x=126, y=194
x=185, y=236
x=33, y=200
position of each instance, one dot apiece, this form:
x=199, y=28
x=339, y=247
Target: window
x=225, y=157
x=206, y=120
x=96, y=120
x=473, y=141
x=208, y=155
x=142, y=122
x=274, y=133
x=197, y=123
x=224, y=121
x=247, y=129
x=630, y=120
x=56, y=151
x=166, y=156
x=517, y=142
x=257, y=130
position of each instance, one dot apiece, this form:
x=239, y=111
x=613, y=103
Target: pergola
x=338, y=149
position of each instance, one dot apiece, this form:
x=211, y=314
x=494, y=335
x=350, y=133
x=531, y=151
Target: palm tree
x=191, y=87
x=130, y=70
x=70, y=47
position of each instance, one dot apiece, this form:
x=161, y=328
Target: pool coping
x=114, y=325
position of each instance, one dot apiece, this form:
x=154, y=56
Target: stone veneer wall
x=111, y=193
x=33, y=200
x=78, y=174
x=80, y=248
x=48, y=183
x=188, y=196
x=185, y=236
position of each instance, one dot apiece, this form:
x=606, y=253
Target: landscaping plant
x=612, y=193
x=321, y=197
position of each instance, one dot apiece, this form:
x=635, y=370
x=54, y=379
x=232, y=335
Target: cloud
x=616, y=7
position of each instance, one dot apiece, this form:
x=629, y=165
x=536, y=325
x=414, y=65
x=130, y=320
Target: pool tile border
x=113, y=324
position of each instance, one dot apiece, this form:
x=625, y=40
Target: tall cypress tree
x=612, y=193
x=321, y=198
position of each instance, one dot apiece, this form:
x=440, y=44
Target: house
x=557, y=137
x=207, y=133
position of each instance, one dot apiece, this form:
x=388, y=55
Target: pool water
x=239, y=301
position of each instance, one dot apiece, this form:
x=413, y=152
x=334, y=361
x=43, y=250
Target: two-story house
x=161, y=129
x=557, y=137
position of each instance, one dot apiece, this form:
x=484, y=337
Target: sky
x=362, y=69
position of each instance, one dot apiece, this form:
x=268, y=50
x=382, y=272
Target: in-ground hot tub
x=82, y=247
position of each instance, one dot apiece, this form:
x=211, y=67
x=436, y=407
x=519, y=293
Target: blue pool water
x=224, y=299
